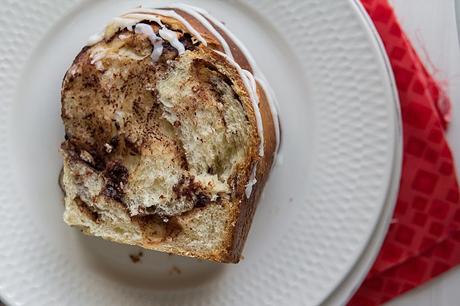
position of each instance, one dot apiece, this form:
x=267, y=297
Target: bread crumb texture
x=157, y=154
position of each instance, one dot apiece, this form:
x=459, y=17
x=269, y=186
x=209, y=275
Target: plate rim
x=354, y=278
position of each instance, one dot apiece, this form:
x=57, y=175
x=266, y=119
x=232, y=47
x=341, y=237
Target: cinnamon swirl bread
x=170, y=134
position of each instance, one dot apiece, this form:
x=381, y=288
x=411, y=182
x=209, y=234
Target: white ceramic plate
x=354, y=278
x=320, y=207
x=457, y=15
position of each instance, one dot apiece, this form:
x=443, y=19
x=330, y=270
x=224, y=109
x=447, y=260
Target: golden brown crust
x=244, y=212
x=247, y=207
x=155, y=231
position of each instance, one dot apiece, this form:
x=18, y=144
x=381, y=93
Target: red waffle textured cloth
x=423, y=240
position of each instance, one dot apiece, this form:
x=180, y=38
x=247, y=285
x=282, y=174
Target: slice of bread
x=164, y=153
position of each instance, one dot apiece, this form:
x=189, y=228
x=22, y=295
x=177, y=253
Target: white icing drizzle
x=95, y=38
x=252, y=181
x=118, y=23
x=123, y=23
x=140, y=17
x=165, y=33
x=273, y=104
x=255, y=106
x=129, y=20
x=123, y=36
x=96, y=57
x=171, y=37
x=198, y=16
x=156, y=41
x=172, y=14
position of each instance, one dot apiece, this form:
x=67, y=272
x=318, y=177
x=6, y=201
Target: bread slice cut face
x=168, y=140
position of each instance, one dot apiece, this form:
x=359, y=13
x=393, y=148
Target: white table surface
x=431, y=27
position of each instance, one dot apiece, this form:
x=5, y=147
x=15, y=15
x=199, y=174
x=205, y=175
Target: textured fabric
x=423, y=240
